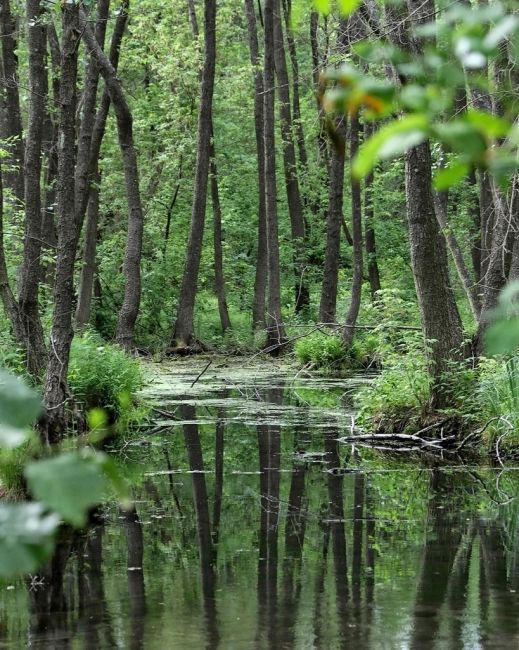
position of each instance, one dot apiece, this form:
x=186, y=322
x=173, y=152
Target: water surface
x=254, y=528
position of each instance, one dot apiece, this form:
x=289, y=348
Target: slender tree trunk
x=328, y=304
x=275, y=327
x=334, y=217
x=295, y=203
x=88, y=270
x=356, y=218
x=219, y=276
x=322, y=142
x=440, y=204
x=56, y=393
x=296, y=103
x=10, y=113
x=90, y=249
x=31, y=270
x=132, y=259
x=183, y=334
x=369, y=233
x=11, y=307
x=260, y=280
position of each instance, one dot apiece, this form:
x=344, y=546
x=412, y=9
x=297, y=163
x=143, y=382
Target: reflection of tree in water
x=269, y=447
x=203, y=521
x=135, y=568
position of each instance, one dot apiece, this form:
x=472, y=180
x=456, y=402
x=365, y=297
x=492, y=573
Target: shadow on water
x=253, y=527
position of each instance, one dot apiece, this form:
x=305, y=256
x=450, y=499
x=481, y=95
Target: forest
x=195, y=192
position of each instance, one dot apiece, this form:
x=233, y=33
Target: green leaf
x=490, y=125
x=347, y=7
x=26, y=537
x=508, y=25
x=502, y=337
x=19, y=404
x=19, y=408
x=70, y=484
x=391, y=140
x=451, y=175
x=323, y=6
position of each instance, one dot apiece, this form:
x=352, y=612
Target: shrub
x=102, y=375
x=321, y=349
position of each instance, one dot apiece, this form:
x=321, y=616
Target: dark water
x=254, y=528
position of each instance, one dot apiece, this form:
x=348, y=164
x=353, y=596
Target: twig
x=202, y=373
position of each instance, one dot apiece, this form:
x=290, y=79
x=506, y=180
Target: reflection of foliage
x=64, y=487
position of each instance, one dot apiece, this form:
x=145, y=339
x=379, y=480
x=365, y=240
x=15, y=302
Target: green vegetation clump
x=102, y=375
x=320, y=349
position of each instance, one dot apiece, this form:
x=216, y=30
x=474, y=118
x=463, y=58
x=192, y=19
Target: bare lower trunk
x=183, y=334
x=10, y=113
x=56, y=394
x=88, y=269
x=260, y=280
x=370, y=240
x=356, y=219
x=275, y=327
x=132, y=259
x=31, y=270
x=328, y=305
x=295, y=204
x=219, y=277
x=10, y=305
x=440, y=318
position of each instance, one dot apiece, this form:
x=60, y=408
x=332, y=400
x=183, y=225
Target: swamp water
x=254, y=528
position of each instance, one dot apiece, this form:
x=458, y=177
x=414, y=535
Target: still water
x=254, y=528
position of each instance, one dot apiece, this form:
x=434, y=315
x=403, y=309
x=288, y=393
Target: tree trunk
x=356, y=218
x=439, y=313
x=295, y=204
x=369, y=228
x=10, y=113
x=56, y=394
x=440, y=318
x=88, y=269
x=11, y=307
x=334, y=217
x=183, y=334
x=219, y=278
x=260, y=280
x=322, y=142
x=440, y=204
x=89, y=253
x=328, y=305
x=275, y=327
x=132, y=258
x=296, y=103
x=31, y=270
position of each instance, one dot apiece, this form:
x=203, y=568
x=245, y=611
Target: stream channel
x=254, y=528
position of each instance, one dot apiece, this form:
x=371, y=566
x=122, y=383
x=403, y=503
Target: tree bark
x=10, y=113
x=334, y=216
x=441, y=321
x=295, y=203
x=260, y=280
x=469, y=286
x=219, y=277
x=56, y=394
x=328, y=304
x=31, y=270
x=183, y=333
x=89, y=254
x=275, y=328
x=356, y=219
x=132, y=259
x=322, y=141
x=11, y=307
x=369, y=228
